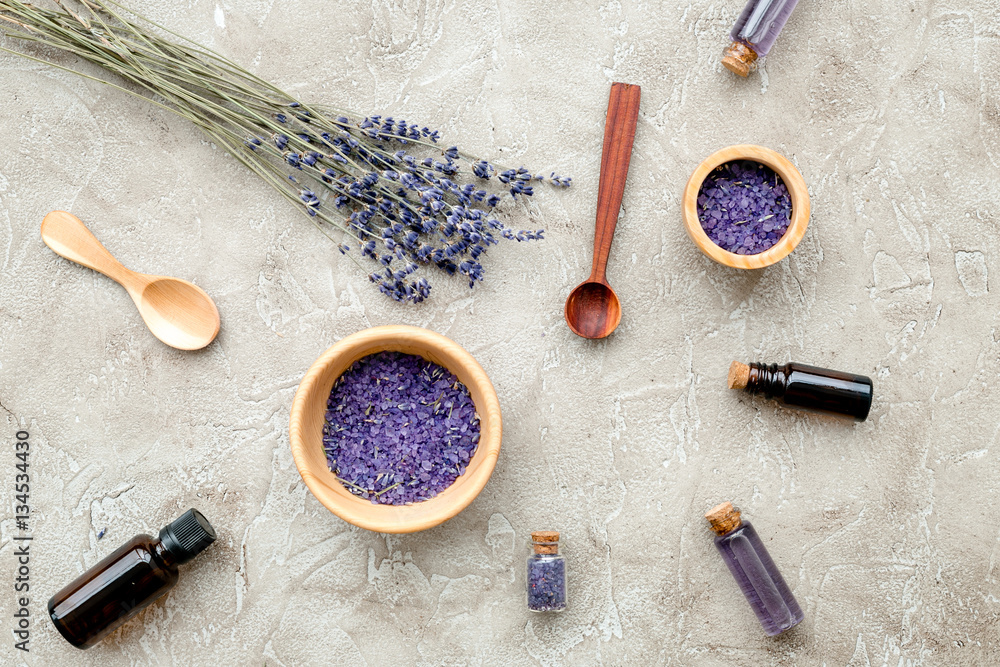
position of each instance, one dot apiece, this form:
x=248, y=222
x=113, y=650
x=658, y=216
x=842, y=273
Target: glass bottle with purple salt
x=754, y=34
x=755, y=572
x=546, y=573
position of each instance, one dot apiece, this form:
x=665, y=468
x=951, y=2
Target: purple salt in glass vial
x=546, y=573
x=744, y=207
x=755, y=572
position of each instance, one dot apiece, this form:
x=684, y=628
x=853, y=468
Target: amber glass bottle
x=806, y=387
x=134, y=575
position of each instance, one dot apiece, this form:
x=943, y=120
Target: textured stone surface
x=886, y=531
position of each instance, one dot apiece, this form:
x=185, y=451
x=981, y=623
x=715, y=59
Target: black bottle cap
x=187, y=536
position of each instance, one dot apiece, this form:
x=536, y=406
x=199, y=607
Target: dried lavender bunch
x=407, y=203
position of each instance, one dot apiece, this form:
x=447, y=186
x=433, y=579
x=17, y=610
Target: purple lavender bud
x=482, y=169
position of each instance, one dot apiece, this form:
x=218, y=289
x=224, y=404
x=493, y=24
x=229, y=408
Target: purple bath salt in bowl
x=399, y=429
x=744, y=207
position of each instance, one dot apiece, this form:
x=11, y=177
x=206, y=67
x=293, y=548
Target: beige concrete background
x=887, y=531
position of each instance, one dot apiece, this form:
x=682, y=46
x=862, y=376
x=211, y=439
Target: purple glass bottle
x=754, y=33
x=755, y=572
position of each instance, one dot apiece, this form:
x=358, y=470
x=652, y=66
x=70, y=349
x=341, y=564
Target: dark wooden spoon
x=593, y=309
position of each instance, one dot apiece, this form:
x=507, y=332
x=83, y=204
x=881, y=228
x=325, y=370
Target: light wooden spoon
x=179, y=313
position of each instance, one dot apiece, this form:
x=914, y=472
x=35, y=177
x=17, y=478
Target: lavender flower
x=379, y=179
x=411, y=208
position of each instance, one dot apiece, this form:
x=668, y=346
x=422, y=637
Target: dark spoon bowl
x=593, y=310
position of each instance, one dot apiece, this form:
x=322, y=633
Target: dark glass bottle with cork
x=806, y=387
x=129, y=579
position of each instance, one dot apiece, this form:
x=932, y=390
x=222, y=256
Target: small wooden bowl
x=796, y=189
x=309, y=414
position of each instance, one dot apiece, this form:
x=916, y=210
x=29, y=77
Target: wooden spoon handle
x=619, y=132
x=69, y=237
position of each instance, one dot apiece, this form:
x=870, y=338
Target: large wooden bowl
x=796, y=189
x=308, y=416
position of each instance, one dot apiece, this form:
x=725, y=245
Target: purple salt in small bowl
x=722, y=237
x=308, y=419
x=744, y=207
x=399, y=429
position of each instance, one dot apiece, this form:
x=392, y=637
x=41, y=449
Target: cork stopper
x=740, y=59
x=724, y=518
x=739, y=375
x=545, y=541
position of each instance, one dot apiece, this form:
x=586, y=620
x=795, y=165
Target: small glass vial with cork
x=546, y=573
x=128, y=580
x=748, y=561
x=754, y=34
